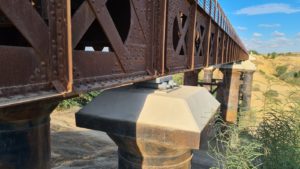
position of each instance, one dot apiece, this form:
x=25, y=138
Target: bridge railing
x=213, y=8
x=65, y=47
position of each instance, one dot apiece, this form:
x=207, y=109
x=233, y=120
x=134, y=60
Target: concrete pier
x=208, y=77
x=25, y=136
x=152, y=128
x=228, y=93
x=248, y=70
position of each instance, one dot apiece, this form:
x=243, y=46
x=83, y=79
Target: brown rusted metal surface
x=43, y=44
x=34, y=59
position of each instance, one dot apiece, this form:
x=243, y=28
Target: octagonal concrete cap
x=242, y=66
x=174, y=117
x=248, y=65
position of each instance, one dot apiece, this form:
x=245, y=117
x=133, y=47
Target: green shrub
x=271, y=93
x=279, y=135
x=280, y=70
x=80, y=101
x=253, y=52
x=232, y=149
x=178, y=78
x=292, y=77
x=262, y=72
x=273, y=144
x=279, y=132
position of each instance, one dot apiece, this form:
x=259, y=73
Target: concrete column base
x=138, y=154
x=25, y=136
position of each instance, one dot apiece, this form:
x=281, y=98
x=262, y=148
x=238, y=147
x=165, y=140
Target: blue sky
x=266, y=25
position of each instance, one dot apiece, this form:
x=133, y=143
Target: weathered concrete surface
x=77, y=148
x=152, y=127
x=248, y=71
x=229, y=92
x=208, y=76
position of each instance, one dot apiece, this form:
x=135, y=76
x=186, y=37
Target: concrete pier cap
x=152, y=128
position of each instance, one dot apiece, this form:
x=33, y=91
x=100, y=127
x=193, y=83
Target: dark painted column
x=191, y=78
x=25, y=136
x=228, y=93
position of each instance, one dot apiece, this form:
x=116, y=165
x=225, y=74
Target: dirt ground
x=75, y=148
x=264, y=80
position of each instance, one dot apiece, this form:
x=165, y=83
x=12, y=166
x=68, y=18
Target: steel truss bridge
x=60, y=48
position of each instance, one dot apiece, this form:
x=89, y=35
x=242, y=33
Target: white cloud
x=298, y=35
x=241, y=28
x=257, y=35
x=275, y=44
x=269, y=25
x=268, y=9
x=278, y=34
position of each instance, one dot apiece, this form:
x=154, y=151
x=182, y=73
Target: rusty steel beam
x=43, y=44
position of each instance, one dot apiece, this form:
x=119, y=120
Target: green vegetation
x=279, y=133
x=271, y=93
x=178, y=78
x=253, y=52
x=280, y=70
x=80, y=101
x=289, y=76
x=273, y=144
x=272, y=55
x=262, y=72
x=232, y=148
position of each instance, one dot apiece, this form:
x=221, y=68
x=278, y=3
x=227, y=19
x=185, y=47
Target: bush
x=279, y=135
x=274, y=144
x=253, y=52
x=178, y=78
x=271, y=93
x=232, y=149
x=292, y=77
x=80, y=101
x=280, y=70
x=262, y=72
